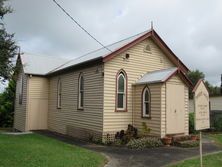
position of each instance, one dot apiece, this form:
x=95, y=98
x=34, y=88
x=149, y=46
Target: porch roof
x=157, y=76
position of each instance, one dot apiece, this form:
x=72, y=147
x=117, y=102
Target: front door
x=175, y=108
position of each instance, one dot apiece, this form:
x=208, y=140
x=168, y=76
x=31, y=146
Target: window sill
x=118, y=110
x=80, y=109
x=146, y=117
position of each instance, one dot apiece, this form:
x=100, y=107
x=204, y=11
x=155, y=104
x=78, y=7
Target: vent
x=147, y=48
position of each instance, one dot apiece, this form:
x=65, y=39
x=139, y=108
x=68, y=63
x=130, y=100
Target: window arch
x=146, y=102
x=81, y=91
x=121, y=91
x=59, y=93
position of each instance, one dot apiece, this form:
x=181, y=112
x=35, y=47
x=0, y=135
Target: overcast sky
x=192, y=29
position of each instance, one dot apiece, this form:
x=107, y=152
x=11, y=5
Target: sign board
x=201, y=104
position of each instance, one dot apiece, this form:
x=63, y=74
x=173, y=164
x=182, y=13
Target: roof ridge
x=42, y=55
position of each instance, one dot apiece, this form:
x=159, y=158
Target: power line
x=80, y=25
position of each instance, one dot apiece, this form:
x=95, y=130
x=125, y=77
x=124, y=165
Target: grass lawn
x=217, y=138
x=33, y=150
x=213, y=160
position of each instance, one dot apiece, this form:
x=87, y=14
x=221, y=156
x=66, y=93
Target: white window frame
x=80, y=92
x=124, y=93
x=59, y=93
x=144, y=102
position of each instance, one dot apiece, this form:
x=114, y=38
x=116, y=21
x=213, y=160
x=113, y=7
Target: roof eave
x=98, y=59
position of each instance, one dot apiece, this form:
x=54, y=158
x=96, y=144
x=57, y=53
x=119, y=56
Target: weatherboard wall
x=20, y=115
x=154, y=121
x=69, y=119
x=139, y=63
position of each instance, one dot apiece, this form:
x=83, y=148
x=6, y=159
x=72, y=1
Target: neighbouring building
x=136, y=80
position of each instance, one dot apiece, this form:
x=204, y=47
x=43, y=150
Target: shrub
x=218, y=123
x=117, y=142
x=145, y=130
x=145, y=142
x=126, y=136
x=191, y=123
x=187, y=143
x=181, y=138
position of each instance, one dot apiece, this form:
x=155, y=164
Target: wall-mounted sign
x=201, y=103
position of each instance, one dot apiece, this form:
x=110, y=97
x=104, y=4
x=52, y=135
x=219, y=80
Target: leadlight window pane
x=120, y=100
x=121, y=83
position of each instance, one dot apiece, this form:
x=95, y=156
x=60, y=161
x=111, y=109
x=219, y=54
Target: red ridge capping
x=182, y=76
x=158, y=41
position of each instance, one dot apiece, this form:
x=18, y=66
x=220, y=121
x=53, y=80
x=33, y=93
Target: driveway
x=121, y=156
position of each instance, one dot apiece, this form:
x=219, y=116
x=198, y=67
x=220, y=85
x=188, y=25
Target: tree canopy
x=195, y=75
x=8, y=47
x=7, y=70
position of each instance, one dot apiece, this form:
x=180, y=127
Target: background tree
x=8, y=48
x=7, y=70
x=7, y=105
x=195, y=75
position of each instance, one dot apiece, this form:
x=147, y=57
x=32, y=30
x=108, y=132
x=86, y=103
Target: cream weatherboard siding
x=38, y=103
x=154, y=122
x=20, y=116
x=68, y=119
x=137, y=65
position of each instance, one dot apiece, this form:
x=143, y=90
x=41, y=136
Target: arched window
x=59, y=93
x=81, y=92
x=146, y=104
x=121, y=91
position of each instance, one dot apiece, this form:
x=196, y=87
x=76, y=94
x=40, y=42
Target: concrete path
x=121, y=156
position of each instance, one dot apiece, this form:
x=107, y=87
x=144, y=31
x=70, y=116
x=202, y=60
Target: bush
x=217, y=124
x=145, y=142
x=145, y=130
x=181, y=138
x=191, y=123
x=187, y=143
x=7, y=105
x=125, y=137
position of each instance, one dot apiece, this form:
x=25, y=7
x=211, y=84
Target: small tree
x=194, y=77
x=7, y=105
x=7, y=46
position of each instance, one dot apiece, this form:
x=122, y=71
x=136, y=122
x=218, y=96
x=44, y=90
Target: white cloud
x=192, y=29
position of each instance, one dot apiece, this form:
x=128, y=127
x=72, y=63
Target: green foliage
x=145, y=129
x=125, y=137
x=213, y=90
x=7, y=46
x=217, y=123
x=145, y=142
x=7, y=105
x=195, y=76
x=191, y=124
x=187, y=143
